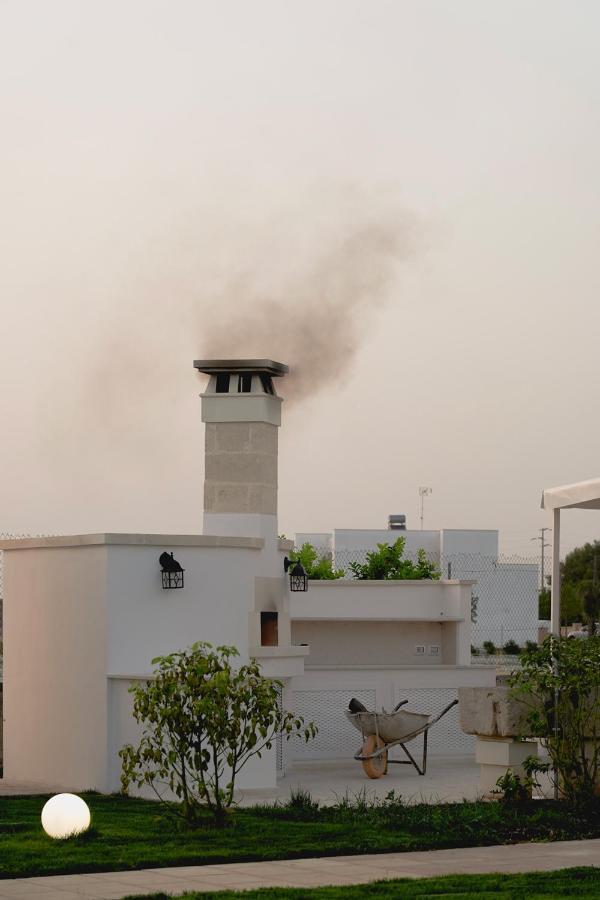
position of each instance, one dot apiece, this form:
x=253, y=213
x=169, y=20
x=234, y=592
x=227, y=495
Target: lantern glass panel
x=298, y=582
x=171, y=580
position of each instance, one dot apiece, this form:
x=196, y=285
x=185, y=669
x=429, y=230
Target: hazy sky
x=414, y=184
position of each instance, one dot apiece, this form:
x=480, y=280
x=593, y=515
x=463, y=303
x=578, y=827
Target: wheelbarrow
x=382, y=730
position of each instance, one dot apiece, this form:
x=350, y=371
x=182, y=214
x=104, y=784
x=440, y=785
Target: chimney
x=397, y=522
x=242, y=413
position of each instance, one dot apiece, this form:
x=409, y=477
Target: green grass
x=563, y=883
x=136, y=834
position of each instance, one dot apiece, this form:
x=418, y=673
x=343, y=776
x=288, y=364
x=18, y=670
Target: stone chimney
x=242, y=413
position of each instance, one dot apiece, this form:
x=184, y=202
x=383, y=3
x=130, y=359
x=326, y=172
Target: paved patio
x=447, y=778
x=339, y=870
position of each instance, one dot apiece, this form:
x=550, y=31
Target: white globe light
x=65, y=815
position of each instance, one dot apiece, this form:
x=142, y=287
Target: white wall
x=55, y=645
x=369, y=643
x=471, y=541
x=145, y=621
x=85, y=616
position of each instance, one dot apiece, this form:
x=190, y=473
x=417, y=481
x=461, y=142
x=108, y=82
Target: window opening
x=267, y=384
x=222, y=383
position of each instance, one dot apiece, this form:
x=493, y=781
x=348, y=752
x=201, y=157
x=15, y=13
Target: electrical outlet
x=420, y=650
x=434, y=649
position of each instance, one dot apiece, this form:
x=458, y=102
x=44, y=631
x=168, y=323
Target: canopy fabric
x=581, y=495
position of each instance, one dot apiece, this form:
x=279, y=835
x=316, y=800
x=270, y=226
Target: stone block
x=246, y=468
x=491, y=712
x=503, y=752
x=210, y=437
x=263, y=438
x=262, y=498
x=496, y=756
x=232, y=437
x=230, y=498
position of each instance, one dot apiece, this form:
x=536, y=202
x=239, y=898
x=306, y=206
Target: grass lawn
x=135, y=834
x=564, y=883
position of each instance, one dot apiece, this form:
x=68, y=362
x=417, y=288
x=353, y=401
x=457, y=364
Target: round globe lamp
x=65, y=815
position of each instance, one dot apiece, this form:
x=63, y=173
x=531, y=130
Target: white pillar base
x=496, y=756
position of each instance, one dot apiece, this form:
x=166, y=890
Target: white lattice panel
x=445, y=737
x=326, y=709
x=337, y=737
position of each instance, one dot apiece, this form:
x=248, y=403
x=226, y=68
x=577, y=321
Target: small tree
x=559, y=683
x=387, y=564
x=202, y=721
x=489, y=647
x=512, y=648
x=317, y=567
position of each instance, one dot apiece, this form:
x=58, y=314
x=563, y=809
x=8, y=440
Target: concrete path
x=338, y=870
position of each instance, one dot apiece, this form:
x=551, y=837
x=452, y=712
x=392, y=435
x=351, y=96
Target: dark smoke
x=317, y=313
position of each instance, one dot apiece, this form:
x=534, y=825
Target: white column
x=555, y=588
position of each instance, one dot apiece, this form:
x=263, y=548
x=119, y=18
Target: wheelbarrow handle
x=398, y=705
x=443, y=713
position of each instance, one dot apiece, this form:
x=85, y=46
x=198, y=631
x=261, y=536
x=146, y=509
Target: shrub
x=512, y=648
x=489, y=647
x=316, y=567
x=474, y=650
x=202, y=721
x=387, y=564
x=530, y=646
x=559, y=683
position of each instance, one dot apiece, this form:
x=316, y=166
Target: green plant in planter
x=202, y=721
x=559, y=683
x=387, y=564
x=317, y=567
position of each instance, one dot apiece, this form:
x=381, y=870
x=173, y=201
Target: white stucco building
x=84, y=615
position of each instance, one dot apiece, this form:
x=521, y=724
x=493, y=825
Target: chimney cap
x=241, y=366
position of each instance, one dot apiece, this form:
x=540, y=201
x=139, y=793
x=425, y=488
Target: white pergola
x=582, y=495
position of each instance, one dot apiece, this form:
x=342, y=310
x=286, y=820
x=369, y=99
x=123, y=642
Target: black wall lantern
x=171, y=571
x=298, y=577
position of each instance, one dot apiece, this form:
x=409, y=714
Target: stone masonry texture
x=241, y=468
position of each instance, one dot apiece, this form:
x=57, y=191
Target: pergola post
x=555, y=586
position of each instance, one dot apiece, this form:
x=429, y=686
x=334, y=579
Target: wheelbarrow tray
x=401, y=726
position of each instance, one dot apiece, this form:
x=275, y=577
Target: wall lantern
x=298, y=577
x=171, y=571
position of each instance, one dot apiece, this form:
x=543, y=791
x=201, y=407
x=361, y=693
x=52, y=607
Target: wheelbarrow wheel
x=377, y=765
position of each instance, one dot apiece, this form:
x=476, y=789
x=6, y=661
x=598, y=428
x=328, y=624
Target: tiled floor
x=307, y=872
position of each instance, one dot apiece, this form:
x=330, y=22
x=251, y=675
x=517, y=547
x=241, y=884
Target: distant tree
x=571, y=603
x=581, y=565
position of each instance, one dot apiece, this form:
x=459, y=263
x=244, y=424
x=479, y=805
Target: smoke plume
x=311, y=293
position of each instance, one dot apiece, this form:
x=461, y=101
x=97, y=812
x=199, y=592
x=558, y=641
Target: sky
x=399, y=199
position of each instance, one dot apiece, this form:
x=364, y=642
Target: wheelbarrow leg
x=423, y=768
